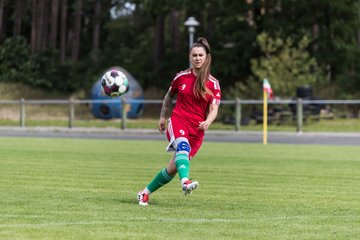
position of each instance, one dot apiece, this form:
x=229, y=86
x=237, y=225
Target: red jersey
x=188, y=107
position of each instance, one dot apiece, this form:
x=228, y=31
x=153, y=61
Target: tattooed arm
x=168, y=99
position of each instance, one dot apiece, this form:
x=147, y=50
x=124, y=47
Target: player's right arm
x=165, y=109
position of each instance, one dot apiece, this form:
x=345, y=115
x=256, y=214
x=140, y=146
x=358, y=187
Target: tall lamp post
x=191, y=23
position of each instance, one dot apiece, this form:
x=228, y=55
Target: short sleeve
x=174, y=87
x=217, y=97
x=216, y=90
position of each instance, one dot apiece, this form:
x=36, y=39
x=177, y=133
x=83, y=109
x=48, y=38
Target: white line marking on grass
x=171, y=220
x=56, y=224
x=174, y=220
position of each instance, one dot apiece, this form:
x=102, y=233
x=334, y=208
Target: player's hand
x=161, y=125
x=204, y=125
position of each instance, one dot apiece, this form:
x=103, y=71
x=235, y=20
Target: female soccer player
x=198, y=97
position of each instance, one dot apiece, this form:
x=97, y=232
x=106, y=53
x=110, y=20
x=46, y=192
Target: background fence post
x=71, y=112
x=299, y=115
x=237, y=114
x=22, y=112
x=123, y=112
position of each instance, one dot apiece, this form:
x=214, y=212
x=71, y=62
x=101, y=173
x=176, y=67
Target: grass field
x=86, y=189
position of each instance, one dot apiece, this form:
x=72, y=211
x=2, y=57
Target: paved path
x=211, y=135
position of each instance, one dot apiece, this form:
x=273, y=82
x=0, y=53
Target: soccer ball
x=114, y=83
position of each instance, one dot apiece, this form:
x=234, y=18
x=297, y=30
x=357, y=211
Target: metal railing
x=237, y=104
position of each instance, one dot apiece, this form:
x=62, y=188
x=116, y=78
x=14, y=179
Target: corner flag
x=267, y=89
x=267, y=93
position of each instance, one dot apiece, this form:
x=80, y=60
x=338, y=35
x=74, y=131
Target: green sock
x=182, y=165
x=160, y=179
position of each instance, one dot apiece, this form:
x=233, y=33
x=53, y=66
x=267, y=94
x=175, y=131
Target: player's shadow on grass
x=125, y=199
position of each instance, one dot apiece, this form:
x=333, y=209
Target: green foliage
x=286, y=64
x=15, y=60
x=42, y=70
x=348, y=77
x=232, y=28
x=45, y=74
x=252, y=89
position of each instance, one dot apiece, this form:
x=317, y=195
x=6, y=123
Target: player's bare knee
x=171, y=168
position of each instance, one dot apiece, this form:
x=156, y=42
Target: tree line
x=63, y=45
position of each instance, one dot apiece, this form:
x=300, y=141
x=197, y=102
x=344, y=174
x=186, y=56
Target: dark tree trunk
x=40, y=6
x=63, y=29
x=45, y=27
x=359, y=26
x=19, y=5
x=96, y=33
x=159, y=41
x=76, y=32
x=175, y=30
x=210, y=28
x=315, y=31
x=2, y=3
x=34, y=32
x=54, y=23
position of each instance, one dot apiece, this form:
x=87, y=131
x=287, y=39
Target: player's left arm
x=213, y=112
x=214, y=104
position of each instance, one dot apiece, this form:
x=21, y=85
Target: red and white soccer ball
x=114, y=83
